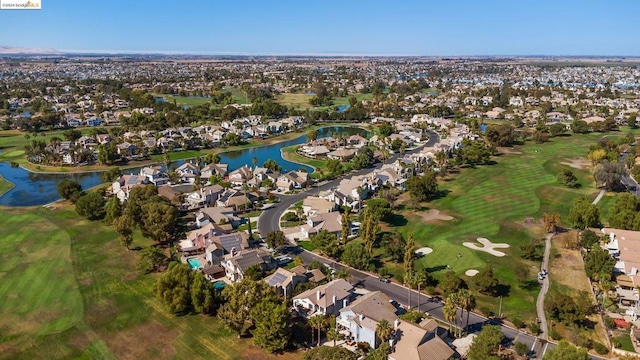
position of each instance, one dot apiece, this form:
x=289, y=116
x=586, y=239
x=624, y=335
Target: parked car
x=384, y=280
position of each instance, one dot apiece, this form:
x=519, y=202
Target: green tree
x=212, y=158
x=240, y=298
x=580, y=127
x=275, y=239
x=386, y=129
x=151, y=259
x=329, y=353
x=91, y=206
x=610, y=175
x=317, y=321
x=584, y=214
x=422, y=188
x=384, y=330
x=159, y=220
x=566, y=351
x=598, y=261
x=123, y=225
x=67, y=189
x=173, y=287
x=113, y=210
x=588, y=238
x=272, y=165
x=501, y=135
x=467, y=302
x=567, y=178
x=107, y=153
x=380, y=208
x=393, y=245
x=327, y=242
x=254, y=272
x=486, y=345
x=451, y=283
x=346, y=228
x=557, y=130
x=473, y=153
x=111, y=175
x=409, y=254
x=355, y=255
x=450, y=312
x=312, y=135
x=625, y=212
x=485, y=281
x=334, y=167
x=272, y=325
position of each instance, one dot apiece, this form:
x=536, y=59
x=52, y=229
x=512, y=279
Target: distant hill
x=18, y=50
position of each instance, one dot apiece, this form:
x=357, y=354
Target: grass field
x=493, y=202
x=301, y=101
x=4, y=185
x=183, y=100
x=70, y=290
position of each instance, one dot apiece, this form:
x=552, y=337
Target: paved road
x=269, y=221
x=629, y=183
x=543, y=291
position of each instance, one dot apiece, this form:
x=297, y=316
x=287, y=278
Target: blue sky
x=392, y=27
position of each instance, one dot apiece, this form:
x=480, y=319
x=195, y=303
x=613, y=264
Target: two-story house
x=325, y=299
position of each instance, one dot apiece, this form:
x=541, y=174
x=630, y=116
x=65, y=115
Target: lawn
x=184, y=100
x=493, y=202
x=301, y=101
x=625, y=342
x=70, y=290
x=4, y=185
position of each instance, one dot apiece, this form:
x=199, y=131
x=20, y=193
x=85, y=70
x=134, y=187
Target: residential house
x=154, y=175
x=188, y=172
x=237, y=262
x=240, y=176
x=217, y=215
x=412, y=342
x=284, y=281
x=342, y=154
x=206, y=196
x=313, y=205
x=358, y=141
x=214, y=169
x=325, y=299
x=292, y=180
x=330, y=222
x=123, y=185
x=238, y=200
x=125, y=149
x=361, y=317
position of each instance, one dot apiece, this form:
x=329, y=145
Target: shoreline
x=280, y=138
x=282, y=155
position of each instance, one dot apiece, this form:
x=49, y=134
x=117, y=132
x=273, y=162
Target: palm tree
x=334, y=335
x=419, y=279
x=408, y=281
x=383, y=330
x=317, y=321
x=450, y=313
x=467, y=302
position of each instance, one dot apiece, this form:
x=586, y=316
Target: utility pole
x=500, y=309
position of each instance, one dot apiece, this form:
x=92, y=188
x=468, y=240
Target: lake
x=41, y=188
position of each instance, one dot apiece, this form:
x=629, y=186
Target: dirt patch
x=143, y=341
x=567, y=267
x=508, y=150
x=577, y=163
x=434, y=215
x=130, y=276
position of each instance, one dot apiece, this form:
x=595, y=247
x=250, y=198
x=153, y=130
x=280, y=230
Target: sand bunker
x=424, y=251
x=434, y=214
x=577, y=163
x=471, y=272
x=487, y=246
x=508, y=150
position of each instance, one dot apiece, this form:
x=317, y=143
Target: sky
x=344, y=27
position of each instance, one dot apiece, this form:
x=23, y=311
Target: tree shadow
x=436, y=268
x=503, y=290
x=396, y=220
x=441, y=193
x=530, y=285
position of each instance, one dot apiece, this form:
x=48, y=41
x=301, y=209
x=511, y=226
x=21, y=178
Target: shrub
x=290, y=216
x=600, y=349
x=521, y=348
x=517, y=322
x=535, y=328
x=554, y=334
x=609, y=323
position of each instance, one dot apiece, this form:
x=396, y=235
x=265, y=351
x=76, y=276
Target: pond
x=41, y=188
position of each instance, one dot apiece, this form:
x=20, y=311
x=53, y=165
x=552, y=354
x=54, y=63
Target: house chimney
x=345, y=302
x=335, y=299
x=318, y=295
x=361, y=317
x=396, y=323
